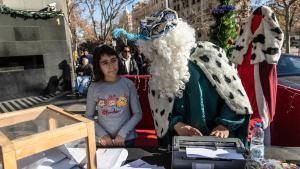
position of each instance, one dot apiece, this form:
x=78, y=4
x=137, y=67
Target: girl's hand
x=106, y=141
x=186, y=130
x=220, y=131
x=119, y=141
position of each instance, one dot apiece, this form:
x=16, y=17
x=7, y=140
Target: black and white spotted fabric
x=161, y=108
x=267, y=39
x=221, y=73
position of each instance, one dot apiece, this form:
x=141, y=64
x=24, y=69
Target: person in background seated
x=84, y=76
x=116, y=99
x=85, y=54
x=128, y=63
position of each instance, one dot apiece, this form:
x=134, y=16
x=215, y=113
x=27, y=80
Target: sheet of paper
x=111, y=158
x=137, y=163
x=78, y=155
x=140, y=164
x=198, y=152
x=63, y=164
x=46, y=158
x=149, y=167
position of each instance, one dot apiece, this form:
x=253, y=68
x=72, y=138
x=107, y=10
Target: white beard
x=170, y=55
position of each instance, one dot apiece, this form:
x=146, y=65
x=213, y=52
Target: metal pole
x=167, y=4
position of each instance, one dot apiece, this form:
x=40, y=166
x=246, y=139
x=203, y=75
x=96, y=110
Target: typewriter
x=182, y=160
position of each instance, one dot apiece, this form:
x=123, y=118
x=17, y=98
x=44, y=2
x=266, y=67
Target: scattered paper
x=43, y=159
x=140, y=164
x=111, y=158
x=78, y=155
x=198, y=152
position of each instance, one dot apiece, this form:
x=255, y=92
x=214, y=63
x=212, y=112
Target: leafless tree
x=289, y=10
x=109, y=10
x=102, y=14
x=73, y=19
x=91, y=10
x=243, y=9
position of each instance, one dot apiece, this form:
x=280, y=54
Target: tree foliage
x=224, y=31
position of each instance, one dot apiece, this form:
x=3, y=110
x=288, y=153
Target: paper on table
x=78, y=155
x=43, y=159
x=140, y=164
x=198, y=152
x=147, y=167
x=111, y=158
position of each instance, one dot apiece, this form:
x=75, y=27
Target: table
x=30, y=131
x=162, y=157
x=153, y=155
x=289, y=154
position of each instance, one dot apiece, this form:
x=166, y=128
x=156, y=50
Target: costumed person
x=257, y=52
x=116, y=100
x=194, y=88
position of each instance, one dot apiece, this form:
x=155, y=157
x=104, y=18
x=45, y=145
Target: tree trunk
x=94, y=28
x=287, y=30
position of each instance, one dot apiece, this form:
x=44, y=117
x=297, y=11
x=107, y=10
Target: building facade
x=196, y=12
x=125, y=21
x=31, y=50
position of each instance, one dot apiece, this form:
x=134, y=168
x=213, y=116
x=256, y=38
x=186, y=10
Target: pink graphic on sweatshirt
x=112, y=105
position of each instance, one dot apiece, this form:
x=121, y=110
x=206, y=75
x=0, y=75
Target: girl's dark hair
x=98, y=53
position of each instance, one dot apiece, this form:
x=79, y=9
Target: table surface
x=162, y=157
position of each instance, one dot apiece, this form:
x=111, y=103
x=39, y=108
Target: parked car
x=288, y=70
x=287, y=118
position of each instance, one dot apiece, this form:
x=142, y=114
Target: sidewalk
x=27, y=102
x=70, y=102
x=65, y=100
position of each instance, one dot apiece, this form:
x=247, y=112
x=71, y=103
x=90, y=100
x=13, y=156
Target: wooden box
x=30, y=131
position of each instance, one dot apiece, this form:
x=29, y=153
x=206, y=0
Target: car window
x=288, y=65
x=296, y=62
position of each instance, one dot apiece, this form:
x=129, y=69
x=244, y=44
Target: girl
x=113, y=97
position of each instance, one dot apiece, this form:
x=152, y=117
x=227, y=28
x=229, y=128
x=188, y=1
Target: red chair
x=145, y=129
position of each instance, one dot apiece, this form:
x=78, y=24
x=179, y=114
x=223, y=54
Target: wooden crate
x=52, y=127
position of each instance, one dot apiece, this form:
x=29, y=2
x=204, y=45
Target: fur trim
x=161, y=108
x=221, y=73
x=267, y=39
x=260, y=99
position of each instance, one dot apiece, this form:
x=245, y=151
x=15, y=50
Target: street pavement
x=65, y=100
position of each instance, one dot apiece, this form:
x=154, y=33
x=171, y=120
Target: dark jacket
x=85, y=70
x=140, y=61
x=134, y=70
